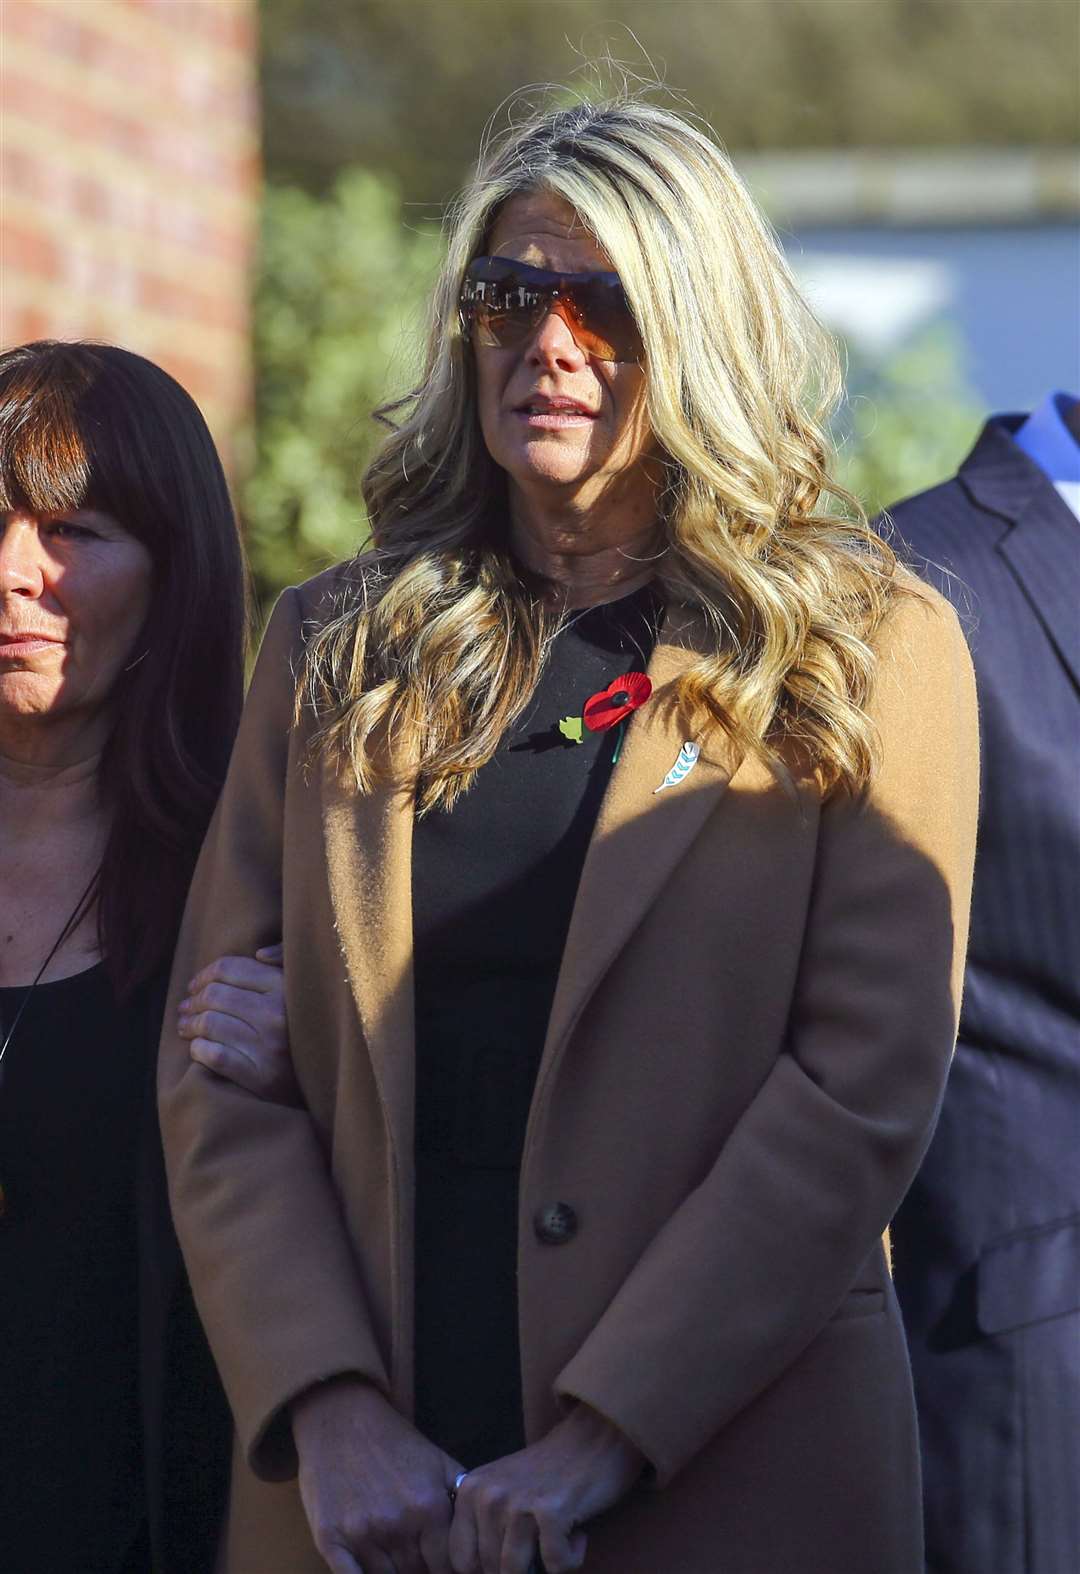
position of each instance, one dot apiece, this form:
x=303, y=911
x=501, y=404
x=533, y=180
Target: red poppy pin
x=607, y=709
x=613, y=704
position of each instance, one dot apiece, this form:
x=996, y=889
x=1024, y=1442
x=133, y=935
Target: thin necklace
x=69, y=925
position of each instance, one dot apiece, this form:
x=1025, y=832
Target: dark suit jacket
x=987, y=1245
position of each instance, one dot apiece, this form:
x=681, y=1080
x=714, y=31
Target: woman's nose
x=22, y=558
x=554, y=345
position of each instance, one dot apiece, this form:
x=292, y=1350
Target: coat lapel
x=1041, y=549
x=369, y=863
x=639, y=835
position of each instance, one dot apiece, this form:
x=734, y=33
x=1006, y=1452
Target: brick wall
x=128, y=184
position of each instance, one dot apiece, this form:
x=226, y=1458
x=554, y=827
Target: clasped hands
x=377, y=1493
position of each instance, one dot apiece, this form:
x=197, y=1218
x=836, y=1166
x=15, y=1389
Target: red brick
x=130, y=249
x=22, y=325
x=16, y=171
x=101, y=41
x=174, y=299
x=98, y=36
x=35, y=325
x=156, y=212
x=27, y=250
x=189, y=147
x=64, y=35
x=198, y=377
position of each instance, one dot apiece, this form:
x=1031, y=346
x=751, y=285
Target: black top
x=71, y=1086
x=494, y=883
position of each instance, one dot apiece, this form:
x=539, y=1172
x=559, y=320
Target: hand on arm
x=376, y=1493
x=538, y=1500
x=234, y=1018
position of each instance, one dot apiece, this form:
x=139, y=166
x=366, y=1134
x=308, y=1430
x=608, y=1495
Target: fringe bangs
x=45, y=467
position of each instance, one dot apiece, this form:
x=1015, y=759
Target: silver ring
x=452, y=1492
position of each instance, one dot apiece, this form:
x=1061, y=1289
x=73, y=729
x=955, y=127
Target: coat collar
x=638, y=839
x=1041, y=545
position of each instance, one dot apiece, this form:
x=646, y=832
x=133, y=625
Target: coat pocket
x=1029, y=1276
x=859, y=1303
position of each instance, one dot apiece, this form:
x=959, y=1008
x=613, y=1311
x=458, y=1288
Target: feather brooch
x=688, y=758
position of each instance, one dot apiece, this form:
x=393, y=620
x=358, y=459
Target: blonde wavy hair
x=437, y=638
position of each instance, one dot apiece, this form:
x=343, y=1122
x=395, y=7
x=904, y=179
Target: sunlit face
x=561, y=423
x=74, y=594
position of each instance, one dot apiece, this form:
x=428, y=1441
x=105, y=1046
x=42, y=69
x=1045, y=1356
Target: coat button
x=555, y=1224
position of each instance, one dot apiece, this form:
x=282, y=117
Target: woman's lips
x=26, y=644
x=554, y=417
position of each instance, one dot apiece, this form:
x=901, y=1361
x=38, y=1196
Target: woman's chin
x=545, y=467
x=27, y=694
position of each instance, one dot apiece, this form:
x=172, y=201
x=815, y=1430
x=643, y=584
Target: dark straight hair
x=93, y=426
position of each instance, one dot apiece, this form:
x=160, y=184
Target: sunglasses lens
x=498, y=306
x=503, y=330
x=603, y=323
x=503, y=302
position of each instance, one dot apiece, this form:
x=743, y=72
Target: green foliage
x=340, y=290
x=909, y=419
x=407, y=85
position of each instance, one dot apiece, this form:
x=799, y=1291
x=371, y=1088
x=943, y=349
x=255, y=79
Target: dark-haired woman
x=121, y=666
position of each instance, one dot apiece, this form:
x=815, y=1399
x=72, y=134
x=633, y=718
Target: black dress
x=113, y=1428
x=494, y=883
x=71, y=1485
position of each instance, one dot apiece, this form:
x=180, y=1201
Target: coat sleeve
x=271, y=1266
x=751, y=1266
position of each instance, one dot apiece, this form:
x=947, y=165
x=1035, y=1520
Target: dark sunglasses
x=503, y=302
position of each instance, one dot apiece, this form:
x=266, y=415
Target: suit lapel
x=1042, y=549
x=639, y=835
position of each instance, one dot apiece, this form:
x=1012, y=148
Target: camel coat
x=746, y=1050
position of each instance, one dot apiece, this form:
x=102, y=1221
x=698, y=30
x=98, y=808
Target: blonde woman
x=617, y=809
